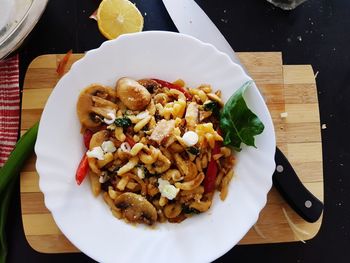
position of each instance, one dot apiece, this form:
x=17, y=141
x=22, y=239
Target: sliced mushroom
x=94, y=102
x=85, y=113
x=103, y=92
x=136, y=209
x=98, y=138
x=99, y=102
x=132, y=94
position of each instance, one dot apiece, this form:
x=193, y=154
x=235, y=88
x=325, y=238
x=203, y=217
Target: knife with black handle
x=293, y=191
x=190, y=19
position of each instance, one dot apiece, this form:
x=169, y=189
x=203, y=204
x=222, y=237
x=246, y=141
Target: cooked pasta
x=155, y=150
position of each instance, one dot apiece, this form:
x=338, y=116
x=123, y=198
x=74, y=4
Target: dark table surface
x=315, y=33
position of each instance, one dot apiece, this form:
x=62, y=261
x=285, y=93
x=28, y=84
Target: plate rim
x=107, y=43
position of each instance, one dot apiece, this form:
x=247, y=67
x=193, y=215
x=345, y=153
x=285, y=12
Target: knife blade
x=190, y=19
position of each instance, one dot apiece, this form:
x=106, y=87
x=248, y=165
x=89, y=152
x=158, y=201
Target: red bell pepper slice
x=63, y=63
x=87, y=138
x=130, y=140
x=212, y=170
x=82, y=170
x=174, y=86
x=210, y=177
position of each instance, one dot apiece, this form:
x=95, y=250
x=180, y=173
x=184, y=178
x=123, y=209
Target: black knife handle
x=293, y=191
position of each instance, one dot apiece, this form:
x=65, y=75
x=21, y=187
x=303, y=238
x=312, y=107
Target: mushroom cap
x=132, y=94
x=85, y=113
x=94, y=100
x=136, y=208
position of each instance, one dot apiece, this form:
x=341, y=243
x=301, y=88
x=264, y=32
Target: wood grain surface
x=286, y=88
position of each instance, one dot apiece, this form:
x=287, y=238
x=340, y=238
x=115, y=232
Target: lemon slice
x=116, y=17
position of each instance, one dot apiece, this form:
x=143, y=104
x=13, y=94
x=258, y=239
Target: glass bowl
x=17, y=19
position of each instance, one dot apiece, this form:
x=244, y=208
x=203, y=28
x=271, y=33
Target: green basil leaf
x=238, y=123
x=123, y=122
x=193, y=150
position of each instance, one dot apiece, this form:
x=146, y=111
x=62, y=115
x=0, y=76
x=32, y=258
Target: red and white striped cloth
x=9, y=106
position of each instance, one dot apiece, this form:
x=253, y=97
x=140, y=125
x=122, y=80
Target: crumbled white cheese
x=142, y=114
x=96, y=152
x=190, y=138
x=166, y=189
x=284, y=115
x=111, y=116
x=103, y=178
x=161, y=183
x=140, y=173
x=170, y=191
x=108, y=147
x=125, y=147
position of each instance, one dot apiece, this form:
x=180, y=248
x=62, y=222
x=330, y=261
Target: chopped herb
x=212, y=106
x=123, y=122
x=188, y=210
x=193, y=150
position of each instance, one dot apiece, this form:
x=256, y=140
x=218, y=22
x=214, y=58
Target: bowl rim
x=23, y=28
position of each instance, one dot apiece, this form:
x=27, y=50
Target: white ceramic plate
x=87, y=221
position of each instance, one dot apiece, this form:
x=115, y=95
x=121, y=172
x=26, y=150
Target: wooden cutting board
x=286, y=88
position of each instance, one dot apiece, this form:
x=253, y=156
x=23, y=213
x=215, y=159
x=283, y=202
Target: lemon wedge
x=116, y=17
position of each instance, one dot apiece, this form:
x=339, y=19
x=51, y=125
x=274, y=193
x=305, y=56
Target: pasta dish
x=154, y=148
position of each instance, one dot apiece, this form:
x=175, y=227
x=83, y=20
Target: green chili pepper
x=23, y=149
